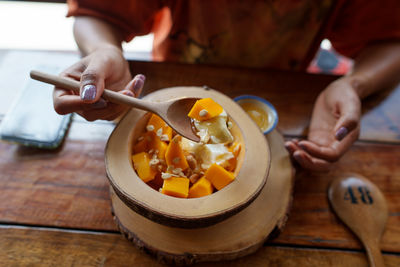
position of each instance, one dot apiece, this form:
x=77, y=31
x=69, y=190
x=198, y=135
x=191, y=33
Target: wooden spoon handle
x=107, y=94
x=375, y=257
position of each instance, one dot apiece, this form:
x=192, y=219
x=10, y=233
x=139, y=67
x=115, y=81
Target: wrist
x=90, y=49
x=358, y=84
x=107, y=47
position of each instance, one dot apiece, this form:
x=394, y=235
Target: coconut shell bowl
x=227, y=224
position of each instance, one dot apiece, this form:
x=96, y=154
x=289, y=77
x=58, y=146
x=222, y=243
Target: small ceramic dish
x=260, y=110
x=251, y=173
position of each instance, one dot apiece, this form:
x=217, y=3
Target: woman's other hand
x=335, y=125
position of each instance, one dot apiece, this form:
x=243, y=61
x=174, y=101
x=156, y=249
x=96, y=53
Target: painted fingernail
x=88, y=92
x=99, y=104
x=128, y=93
x=341, y=133
x=141, y=77
x=138, y=85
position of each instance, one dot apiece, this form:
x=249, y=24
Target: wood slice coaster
x=251, y=171
x=237, y=236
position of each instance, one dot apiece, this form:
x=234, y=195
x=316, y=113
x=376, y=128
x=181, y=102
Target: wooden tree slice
x=237, y=236
x=253, y=164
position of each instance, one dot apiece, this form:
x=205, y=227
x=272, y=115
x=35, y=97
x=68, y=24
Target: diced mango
x=176, y=187
x=201, y=188
x=218, y=176
x=156, y=144
x=151, y=141
x=156, y=123
x=161, y=147
x=174, y=155
x=235, y=149
x=205, y=109
x=141, y=163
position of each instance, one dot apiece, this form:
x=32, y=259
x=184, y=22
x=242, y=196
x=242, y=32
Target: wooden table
x=55, y=205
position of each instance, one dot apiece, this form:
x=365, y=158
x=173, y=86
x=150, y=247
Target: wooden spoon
x=362, y=206
x=173, y=112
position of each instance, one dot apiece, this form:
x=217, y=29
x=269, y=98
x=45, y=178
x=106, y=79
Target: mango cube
x=201, y=188
x=161, y=147
x=174, y=155
x=158, y=126
x=150, y=141
x=205, y=109
x=155, y=143
x=218, y=176
x=176, y=187
x=141, y=163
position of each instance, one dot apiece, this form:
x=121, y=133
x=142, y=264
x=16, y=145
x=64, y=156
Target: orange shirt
x=281, y=34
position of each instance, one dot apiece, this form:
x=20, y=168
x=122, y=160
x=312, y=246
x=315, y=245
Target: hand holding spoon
x=173, y=112
x=362, y=207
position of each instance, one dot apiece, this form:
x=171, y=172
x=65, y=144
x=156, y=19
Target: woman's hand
x=103, y=68
x=333, y=129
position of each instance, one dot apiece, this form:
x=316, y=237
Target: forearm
x=376, y=68
x=91, y=34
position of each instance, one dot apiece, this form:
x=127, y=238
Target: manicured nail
x=99, y=104
x=341, y=133
x=89, y=92
x=138, y=85
x=141, y=77
x=128, y=93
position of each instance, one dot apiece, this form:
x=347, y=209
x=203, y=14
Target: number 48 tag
x=357, y=194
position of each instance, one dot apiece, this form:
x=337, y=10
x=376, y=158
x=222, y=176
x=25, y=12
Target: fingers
x=345, y=125
x=304, y=159
x=92, y=74
x=92, y=82
x=311, y=163
x=100, y=109
x=135, y=86
x=65, y=101
x=292, y=146
x=348, y=121
x=330, y=153
x=316, y=157
x=102, y=114
x=333, y=151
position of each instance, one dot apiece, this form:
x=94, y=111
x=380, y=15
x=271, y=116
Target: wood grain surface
x=69, y=189
x=312, y=221
x=46, y=192
x=66, y=188
x=22, y=246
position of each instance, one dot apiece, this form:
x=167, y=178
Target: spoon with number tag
x=362, y=207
